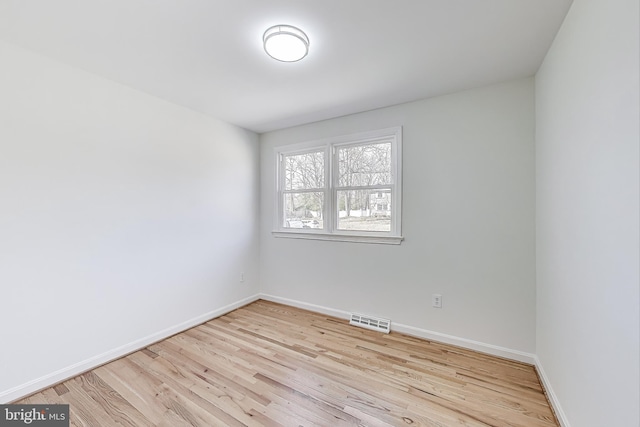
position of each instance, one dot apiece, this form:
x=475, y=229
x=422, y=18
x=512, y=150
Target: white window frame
x=330, y=211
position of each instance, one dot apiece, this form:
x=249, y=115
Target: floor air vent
x=373, y=323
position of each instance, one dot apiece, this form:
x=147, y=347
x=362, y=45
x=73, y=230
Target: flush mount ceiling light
x=285, y=43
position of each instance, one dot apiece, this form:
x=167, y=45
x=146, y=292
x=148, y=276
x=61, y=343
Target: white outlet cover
x=436, y=300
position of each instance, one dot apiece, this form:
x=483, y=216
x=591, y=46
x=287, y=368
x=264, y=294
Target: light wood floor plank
x=268, y=364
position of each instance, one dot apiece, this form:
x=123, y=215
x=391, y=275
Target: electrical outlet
x=242, y=277
x=436, y=300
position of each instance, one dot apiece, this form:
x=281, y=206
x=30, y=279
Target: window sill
x=381, y=240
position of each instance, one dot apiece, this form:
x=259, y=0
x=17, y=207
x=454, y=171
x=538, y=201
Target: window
x=346, y=188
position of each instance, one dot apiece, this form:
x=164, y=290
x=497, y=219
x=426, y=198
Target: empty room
x=329, y=213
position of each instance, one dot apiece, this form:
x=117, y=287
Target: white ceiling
x=207, y=54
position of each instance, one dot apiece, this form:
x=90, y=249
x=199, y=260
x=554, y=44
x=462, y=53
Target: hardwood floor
x=270, y=364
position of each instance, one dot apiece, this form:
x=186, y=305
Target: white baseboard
x=553, y=399
x=306, y=306
x=491, y=349
x=494, y=350
x=63, y=374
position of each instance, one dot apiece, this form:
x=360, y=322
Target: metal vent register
x=370, y=322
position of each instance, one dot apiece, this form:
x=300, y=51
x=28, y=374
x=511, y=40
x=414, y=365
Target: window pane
x=303, y=210
x=304, y=171
x=365, y=165
x=364, y=210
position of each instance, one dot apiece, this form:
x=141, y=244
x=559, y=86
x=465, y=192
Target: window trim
x=330, y=214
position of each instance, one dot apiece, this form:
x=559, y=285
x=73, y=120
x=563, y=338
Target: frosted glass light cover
x=286, y=43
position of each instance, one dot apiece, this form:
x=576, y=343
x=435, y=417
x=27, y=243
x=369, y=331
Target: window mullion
x=304, y=190
x=280, y=187
x=331, y=203
x=366, y=187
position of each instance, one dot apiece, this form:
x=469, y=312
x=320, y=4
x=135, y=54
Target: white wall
x=587, y=157
x=468, y=222
x=121, y=216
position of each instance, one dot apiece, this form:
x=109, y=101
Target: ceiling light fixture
x=285, y=43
